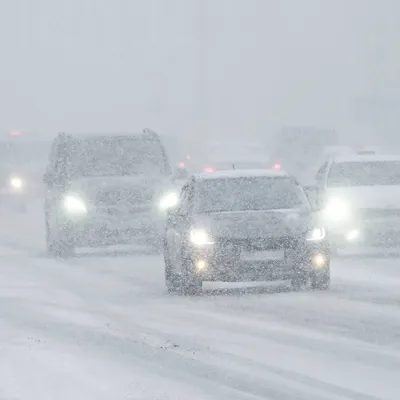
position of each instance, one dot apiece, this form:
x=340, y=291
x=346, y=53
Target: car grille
x=257, y=244
x=131, y=197
x=379, y=212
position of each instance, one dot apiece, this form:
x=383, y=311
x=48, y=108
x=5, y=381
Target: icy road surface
x=98, y=327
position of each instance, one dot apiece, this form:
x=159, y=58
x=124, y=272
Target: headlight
x=16, y=183
x=74, y=205
x=337, y=210
x=200, y=237
x=316, y=234
x=169, y=200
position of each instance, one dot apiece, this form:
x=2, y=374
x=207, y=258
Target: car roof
x=246, y=173
x=366, y=158
x=88, y=136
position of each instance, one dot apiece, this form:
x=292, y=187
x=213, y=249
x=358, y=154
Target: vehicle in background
x=107, y=189
x=23, y=159
x=234, y=165
x=229, y=155
x=178, y=152
x=299, y=150
x=360, y=194
x=244, y=226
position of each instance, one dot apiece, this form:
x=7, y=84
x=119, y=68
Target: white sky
x=104, y=65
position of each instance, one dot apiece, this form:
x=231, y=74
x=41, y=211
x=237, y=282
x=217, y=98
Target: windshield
x=373, y=173
x=117, y=156
x=255, y=193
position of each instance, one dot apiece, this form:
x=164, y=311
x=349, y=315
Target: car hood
x=368, y=196
x=256, y=224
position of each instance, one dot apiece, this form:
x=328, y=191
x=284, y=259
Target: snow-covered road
x=98, y=327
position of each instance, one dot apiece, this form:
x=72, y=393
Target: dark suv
x=106, y=189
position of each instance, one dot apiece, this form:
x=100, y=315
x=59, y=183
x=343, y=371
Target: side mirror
x=180, y=174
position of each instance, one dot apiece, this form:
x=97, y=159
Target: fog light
x=200, y=265
x=353, y=235
x=319, y=260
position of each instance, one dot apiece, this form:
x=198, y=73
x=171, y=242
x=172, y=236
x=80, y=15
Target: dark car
x=107, y=189
x=244, y=226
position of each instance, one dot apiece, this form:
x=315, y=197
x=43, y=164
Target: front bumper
x=100, y=229
x=235, y=263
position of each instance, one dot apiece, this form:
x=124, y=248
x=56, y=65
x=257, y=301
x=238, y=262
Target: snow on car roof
x=366, y=158
x=85, y=136
x=256, y=173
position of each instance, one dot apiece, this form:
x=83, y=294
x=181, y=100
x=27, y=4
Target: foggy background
x=194, y=67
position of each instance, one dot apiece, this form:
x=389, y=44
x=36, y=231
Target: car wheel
x=300, y=281
x=190, y=283
x=60, y=245
x=322, y=281
x=171, y=279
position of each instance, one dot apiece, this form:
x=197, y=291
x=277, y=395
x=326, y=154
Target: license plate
x=127, y=222
x=268, y=255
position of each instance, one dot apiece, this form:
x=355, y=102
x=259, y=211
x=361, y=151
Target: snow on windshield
x=374, y=173
x=255, y=193
x=116, y=156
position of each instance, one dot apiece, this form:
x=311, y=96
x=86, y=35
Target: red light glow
x=208, y=169
x=15, y=133
x=181, y=164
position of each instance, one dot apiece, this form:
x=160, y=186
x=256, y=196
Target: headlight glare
x=200, y=237
x=337, y=210
x=74, y=205
x=316, y=234
x=169, y=200
x=16, y=183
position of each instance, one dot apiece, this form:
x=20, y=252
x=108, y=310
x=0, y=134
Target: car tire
x=171, y=279
x=300, y=280
x=322, y=281
x=60, y=246
x=190, y=283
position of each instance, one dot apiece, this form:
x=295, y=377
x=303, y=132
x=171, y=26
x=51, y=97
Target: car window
x=185, y=199
x=370, y=173
x=253, y=193
x=117, y=156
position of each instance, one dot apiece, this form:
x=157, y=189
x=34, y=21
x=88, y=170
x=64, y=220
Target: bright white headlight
x=200, y=237
x=169, y=200
x=16, y=183
x=316, y=234
x=337, y=210
x=74, y=205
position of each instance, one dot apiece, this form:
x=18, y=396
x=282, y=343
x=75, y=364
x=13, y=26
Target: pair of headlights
x=74, y=204
x=200, y=237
